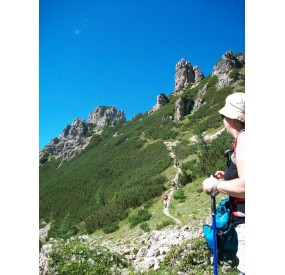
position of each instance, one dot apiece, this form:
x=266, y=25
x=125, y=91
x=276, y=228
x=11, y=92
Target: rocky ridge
x=75, y=137
x=186, y=74
x=154, y=246
x=224, y=68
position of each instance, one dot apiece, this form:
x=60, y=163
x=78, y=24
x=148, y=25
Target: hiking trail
x=169, y=146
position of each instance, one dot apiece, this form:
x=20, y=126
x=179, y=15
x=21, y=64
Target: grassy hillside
x=113, y=175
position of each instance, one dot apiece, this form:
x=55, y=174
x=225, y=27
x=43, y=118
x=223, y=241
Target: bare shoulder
x=241, y=137
x=241, y=142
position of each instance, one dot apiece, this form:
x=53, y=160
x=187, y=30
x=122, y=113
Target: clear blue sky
x=123, y=53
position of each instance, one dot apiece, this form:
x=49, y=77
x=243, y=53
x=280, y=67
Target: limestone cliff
x=75, y=137
x=186, y=74
x=225, y=68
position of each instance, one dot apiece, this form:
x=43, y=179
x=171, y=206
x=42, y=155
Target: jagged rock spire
x=186, y=74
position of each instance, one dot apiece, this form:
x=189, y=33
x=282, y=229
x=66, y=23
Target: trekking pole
x=213, y=212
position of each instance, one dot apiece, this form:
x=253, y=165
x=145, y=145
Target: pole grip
x=214, y=188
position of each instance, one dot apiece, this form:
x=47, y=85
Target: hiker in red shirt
x=165, y=199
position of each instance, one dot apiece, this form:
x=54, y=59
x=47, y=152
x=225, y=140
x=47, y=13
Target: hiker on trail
x=165, y=199
x=173, y=183
x=176, y=162
x=232, y=181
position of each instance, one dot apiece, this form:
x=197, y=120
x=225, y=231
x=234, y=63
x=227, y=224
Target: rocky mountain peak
x=78, y=128
x=225, y=65
x=186, y=74
x=103, y=116
x=75, y=137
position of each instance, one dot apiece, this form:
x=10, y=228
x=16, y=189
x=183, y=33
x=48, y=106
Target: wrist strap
x=214, y=189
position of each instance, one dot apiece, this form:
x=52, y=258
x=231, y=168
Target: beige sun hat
x=235, y=107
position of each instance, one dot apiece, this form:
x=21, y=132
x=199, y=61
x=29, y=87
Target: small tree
x=66, y=229
x=111, y=228
x=180, y=196
x=183, y=178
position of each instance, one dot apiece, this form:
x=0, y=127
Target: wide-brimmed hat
x=235, y=107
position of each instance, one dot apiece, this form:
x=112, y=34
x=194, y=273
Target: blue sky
x=123, y=53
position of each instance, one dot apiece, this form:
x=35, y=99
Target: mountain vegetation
x=118, y=180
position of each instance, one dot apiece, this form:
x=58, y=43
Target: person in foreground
x=232, y=181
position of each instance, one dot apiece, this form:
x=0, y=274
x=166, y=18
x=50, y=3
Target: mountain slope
x=123, y=166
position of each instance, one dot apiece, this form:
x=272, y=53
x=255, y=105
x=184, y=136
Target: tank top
x=231, y=172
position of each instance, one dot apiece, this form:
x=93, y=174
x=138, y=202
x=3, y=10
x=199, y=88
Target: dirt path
x=165, y=209
x=169, y=146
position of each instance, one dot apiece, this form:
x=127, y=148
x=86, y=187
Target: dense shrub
x=180, y=195
x=143, y=215
x=95, y=140
x=183, y=178
x=111, y=228
x=148, y=204
x=83, y=256
x=191, y=168
x=192, y=258
x=145, y=227
x=66, y=228
x=164, y=224
x=125, y=214
x=188, y=165
x=43, y=159
x=183, y=149
x=213, y=80
x=207, y=116
x=234, y=73
x=210, y=157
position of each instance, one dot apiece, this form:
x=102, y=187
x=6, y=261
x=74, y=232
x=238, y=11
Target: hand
x=208, y=184
x=220, y=175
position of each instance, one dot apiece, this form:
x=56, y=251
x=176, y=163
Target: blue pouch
x=227, y=241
